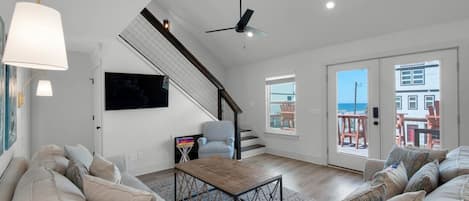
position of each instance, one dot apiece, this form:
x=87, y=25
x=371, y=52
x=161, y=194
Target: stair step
x=252, y=147
x=245, y=132
x=248, y=138
x=252, y=150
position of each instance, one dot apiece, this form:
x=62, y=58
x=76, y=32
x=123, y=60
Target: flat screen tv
x=135, y=91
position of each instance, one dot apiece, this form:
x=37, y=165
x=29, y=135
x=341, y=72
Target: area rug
x=164, y=187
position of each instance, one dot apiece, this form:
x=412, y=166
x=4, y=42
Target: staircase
x=147, y=36
x=251, y=145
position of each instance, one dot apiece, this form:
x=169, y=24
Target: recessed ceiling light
x=330, y=5
x=250, y=34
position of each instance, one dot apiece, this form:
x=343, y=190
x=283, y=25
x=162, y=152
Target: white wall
x=66, y=117
x=310, y=70
x=22, y=146
x=181, y=30
x=145, y=136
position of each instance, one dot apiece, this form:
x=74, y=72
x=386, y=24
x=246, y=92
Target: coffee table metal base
x=187, y=187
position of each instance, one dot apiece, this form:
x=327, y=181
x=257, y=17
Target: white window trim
x=412, y=79
x=400, y=102
x=269, y=81
x=425, y=101
x=416, y=102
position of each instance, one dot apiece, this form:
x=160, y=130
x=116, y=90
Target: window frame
x=400, y=102
x=271, y=81
x=411, y=74
x=425, y=101
x=416, y=102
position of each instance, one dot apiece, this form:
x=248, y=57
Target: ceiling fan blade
x=255, y=32
x=243, y=22
x=217, y=30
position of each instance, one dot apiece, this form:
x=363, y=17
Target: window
x=413, y=77
x=429, y=101
x=280, y=105
x=413, y=102
x=398, y=102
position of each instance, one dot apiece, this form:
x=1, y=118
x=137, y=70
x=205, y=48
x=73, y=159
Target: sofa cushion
x=79, y=153
x=456, y=189
x=433, y=155
x=75, y=172
x=393, y=177
x=425, y=179
x=11, y=177
x=105, y=169
x=41, y=184
x=368, y=192
x=97, y=189
x=413, y=159
x=133, y=182
x=410, y=196
x=57, y=163
x=456, y=164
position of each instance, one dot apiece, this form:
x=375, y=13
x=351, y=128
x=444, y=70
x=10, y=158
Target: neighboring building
x=417, y=88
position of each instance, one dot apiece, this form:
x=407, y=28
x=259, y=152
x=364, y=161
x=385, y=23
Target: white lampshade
x=44, y=88
x=36, y=38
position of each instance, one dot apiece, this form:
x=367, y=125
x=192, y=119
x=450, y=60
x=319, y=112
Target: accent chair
x=218, y=139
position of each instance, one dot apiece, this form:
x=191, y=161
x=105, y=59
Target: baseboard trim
x=297, y=156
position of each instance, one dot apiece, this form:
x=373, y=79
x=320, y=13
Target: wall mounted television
x=135, y=91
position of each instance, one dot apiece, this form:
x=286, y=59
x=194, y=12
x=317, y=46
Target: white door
x=422, y=95
x=353, y=134
x=409, y=100
x=98, y=109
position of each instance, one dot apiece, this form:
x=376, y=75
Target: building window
x=429, y=101
x=413, y=102
x=398, y=102
x=413, y=77
x=280, y=105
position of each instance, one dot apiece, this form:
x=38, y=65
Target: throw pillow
x=105, y=169
x=411, y=196
x=57, y=163
x=393, y=177
x=368, y=192
x=97, y=189
x=79, y=153
x=41, y=184
x=75, y=172
x=413, y=159
x=425, y=179
x=456, y=164
x=439, y=155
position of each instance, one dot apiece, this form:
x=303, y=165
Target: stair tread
x=248, y=138
x=252, y=147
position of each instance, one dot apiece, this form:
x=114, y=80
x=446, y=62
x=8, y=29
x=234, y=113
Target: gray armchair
x=218, y=139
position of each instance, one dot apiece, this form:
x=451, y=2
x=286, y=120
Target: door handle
x=375, y=123
x=98, y=127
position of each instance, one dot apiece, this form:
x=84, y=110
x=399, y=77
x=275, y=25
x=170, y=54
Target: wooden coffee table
x=210, y=178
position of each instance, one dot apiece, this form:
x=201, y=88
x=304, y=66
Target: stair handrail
x=222, y=93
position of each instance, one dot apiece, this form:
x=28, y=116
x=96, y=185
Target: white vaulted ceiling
x=297, y=25
x=88, y=22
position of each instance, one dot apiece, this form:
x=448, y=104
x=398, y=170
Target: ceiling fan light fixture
x=330, y=5
x=250, y=34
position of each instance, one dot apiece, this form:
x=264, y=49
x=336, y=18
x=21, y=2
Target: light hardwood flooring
x=313, y=181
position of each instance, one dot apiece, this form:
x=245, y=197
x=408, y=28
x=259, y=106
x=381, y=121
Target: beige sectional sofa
x=37, y=179
x=453, y=176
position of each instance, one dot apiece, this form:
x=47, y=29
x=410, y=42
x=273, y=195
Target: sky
x=346, y=86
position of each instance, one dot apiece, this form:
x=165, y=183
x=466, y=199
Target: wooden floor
x=313, y=181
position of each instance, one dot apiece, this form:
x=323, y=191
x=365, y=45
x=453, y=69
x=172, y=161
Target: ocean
x=344, y=108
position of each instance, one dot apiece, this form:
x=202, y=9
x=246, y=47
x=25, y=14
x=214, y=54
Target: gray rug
x=165, y=188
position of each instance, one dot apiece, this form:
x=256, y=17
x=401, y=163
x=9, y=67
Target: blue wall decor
x=10, y=106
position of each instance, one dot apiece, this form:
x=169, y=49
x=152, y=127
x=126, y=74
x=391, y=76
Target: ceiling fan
x=242, y=25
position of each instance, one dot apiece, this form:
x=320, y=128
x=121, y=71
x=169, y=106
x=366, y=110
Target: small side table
x=185, y=149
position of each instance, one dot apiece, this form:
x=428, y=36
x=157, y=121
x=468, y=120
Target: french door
x=404, y=100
